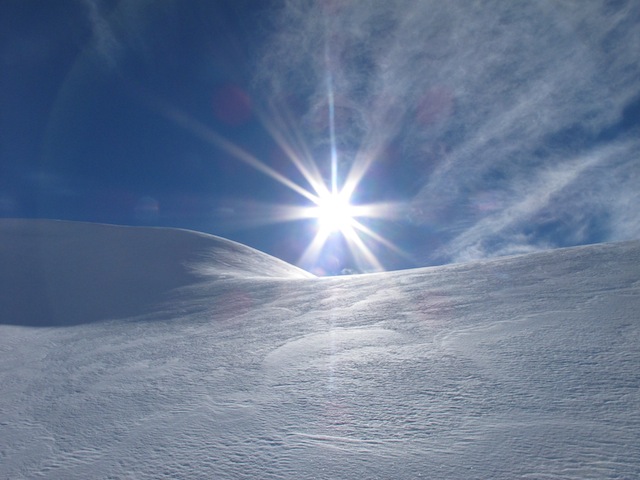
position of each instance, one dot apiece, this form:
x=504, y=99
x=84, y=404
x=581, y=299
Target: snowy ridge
x=63, y=273
x=522, y=367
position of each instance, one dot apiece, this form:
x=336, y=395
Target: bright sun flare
x=334, y=213
x=331, y=204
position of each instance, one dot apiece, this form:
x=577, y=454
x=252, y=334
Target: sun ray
x=388, y=210
x=332, y=123
x=332, y=136
x=358, y=170
x=295, y=150
x=239, y=153
x=243, y=214
x=311, y=254
x=358, y=248
x=379, y=238
x=386, y=116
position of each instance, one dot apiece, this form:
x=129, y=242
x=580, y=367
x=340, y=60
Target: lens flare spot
x=232, y=105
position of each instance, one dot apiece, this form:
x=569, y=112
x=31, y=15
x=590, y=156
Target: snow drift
x=238, y=366
x=65, y=273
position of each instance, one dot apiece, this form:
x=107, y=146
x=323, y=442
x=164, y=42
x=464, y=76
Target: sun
x=329, y=200
x=334, y=213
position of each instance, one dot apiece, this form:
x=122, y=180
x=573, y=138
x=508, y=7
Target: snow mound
x=63, y=273
x=521, y=367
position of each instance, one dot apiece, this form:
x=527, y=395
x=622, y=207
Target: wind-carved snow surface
x=240, y=367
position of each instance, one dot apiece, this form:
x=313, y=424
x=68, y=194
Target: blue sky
x=470, y=129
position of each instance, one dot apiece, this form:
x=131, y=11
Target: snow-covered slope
x=65, y=273
x=522, y=367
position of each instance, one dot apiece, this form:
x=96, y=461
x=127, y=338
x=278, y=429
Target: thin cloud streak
x=506, y=224
x=105, y=40
x=502, y=112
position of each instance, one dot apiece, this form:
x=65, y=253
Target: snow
x=65, y=273
x=157, y=353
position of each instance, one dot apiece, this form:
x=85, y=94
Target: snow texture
x=156, y=353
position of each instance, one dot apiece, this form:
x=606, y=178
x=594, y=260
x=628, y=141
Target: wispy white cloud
x=104, y=36
x=553, y=192
x=525, y=142
x=121, y=28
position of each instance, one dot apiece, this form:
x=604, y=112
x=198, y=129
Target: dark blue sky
x=485, y=130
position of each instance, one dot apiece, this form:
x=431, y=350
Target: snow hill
x=65, y=273
x=155, y=353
